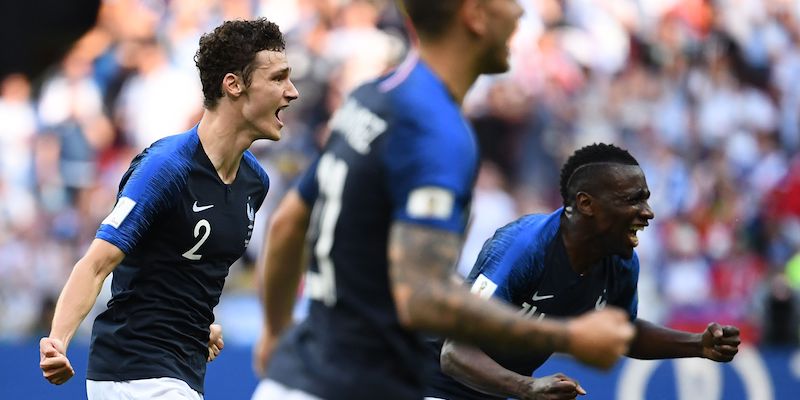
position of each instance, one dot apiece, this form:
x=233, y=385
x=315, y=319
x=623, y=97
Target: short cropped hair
x=576, y=171
x=431, y=18
x=231, y=48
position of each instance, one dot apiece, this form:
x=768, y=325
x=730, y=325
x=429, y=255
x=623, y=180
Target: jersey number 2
x=331, y=175
x=206, y=227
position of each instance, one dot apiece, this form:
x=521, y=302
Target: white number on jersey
x=331, y=175
x=206, y=226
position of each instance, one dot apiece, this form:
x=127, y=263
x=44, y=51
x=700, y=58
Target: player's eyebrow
x=280, y=73
x=285, y=70
x=637, y=193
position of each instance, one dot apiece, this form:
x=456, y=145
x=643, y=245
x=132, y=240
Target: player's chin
x=503, y=59
x=499, y=66
x=496, y=61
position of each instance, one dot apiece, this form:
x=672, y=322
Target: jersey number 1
x=331, y=174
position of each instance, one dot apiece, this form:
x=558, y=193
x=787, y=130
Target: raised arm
x=74, y=303
x=718, y=343
x=280, y=268
x=426, y=299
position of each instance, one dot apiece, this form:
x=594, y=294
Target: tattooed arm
x=426, y=299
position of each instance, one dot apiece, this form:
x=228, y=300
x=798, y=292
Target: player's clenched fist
x=54, y=362
x=215, y=342
x=720, y=343
x=599, y=338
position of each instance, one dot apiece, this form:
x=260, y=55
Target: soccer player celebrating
x=391, y=192
x=577, y=259
x=184, y=214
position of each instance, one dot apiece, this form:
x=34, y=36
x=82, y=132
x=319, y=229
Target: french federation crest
x=251, y=216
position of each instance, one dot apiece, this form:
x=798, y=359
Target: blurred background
x=704, y=93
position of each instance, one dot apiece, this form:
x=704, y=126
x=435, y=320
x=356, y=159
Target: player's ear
x=583, y=203
x=473, y=13
x=232, y=85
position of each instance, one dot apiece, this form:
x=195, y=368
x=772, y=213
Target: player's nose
x=291, y=92
x=647, y=211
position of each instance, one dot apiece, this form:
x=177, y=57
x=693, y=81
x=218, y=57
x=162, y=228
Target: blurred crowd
x=704, y=93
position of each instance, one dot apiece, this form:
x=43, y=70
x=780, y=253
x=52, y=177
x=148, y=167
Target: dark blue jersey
x=180, y=228
x=525, y=264
x=400, y=150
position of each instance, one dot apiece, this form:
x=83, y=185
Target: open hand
x=720, y=343
x=53, y=361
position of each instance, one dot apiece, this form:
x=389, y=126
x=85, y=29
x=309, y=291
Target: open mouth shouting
x=277, y=114
x=634, y=240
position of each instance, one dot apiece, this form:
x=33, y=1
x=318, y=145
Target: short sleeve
x=307, y=184
x=431, y=168
x=505, y=264
x=150, y=186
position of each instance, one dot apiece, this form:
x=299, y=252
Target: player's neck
x=223, y=143
x=581, y=248
x=453, y=64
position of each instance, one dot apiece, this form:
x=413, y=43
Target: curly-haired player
x=184, y=214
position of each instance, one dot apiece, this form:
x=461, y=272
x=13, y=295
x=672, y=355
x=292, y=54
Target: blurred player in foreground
x=391, y=195
x=184, y=214
x=577, y=259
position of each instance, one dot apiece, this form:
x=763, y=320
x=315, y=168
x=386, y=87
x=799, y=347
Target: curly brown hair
x=231, y=48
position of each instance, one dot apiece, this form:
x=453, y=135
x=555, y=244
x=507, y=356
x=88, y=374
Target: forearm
x=280, y=291
x=657, y=342
x=427, y=299
x=282, y=262
x=76, y=300
x=474, y=368
x=453, y=312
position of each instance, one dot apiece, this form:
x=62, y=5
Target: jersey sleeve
x=505, y=265
x=431, y=168
x=307, y=184
x=629, y=294
x=150, y=186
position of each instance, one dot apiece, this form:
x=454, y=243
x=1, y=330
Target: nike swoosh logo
x=197, y=208
x=536, y=296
